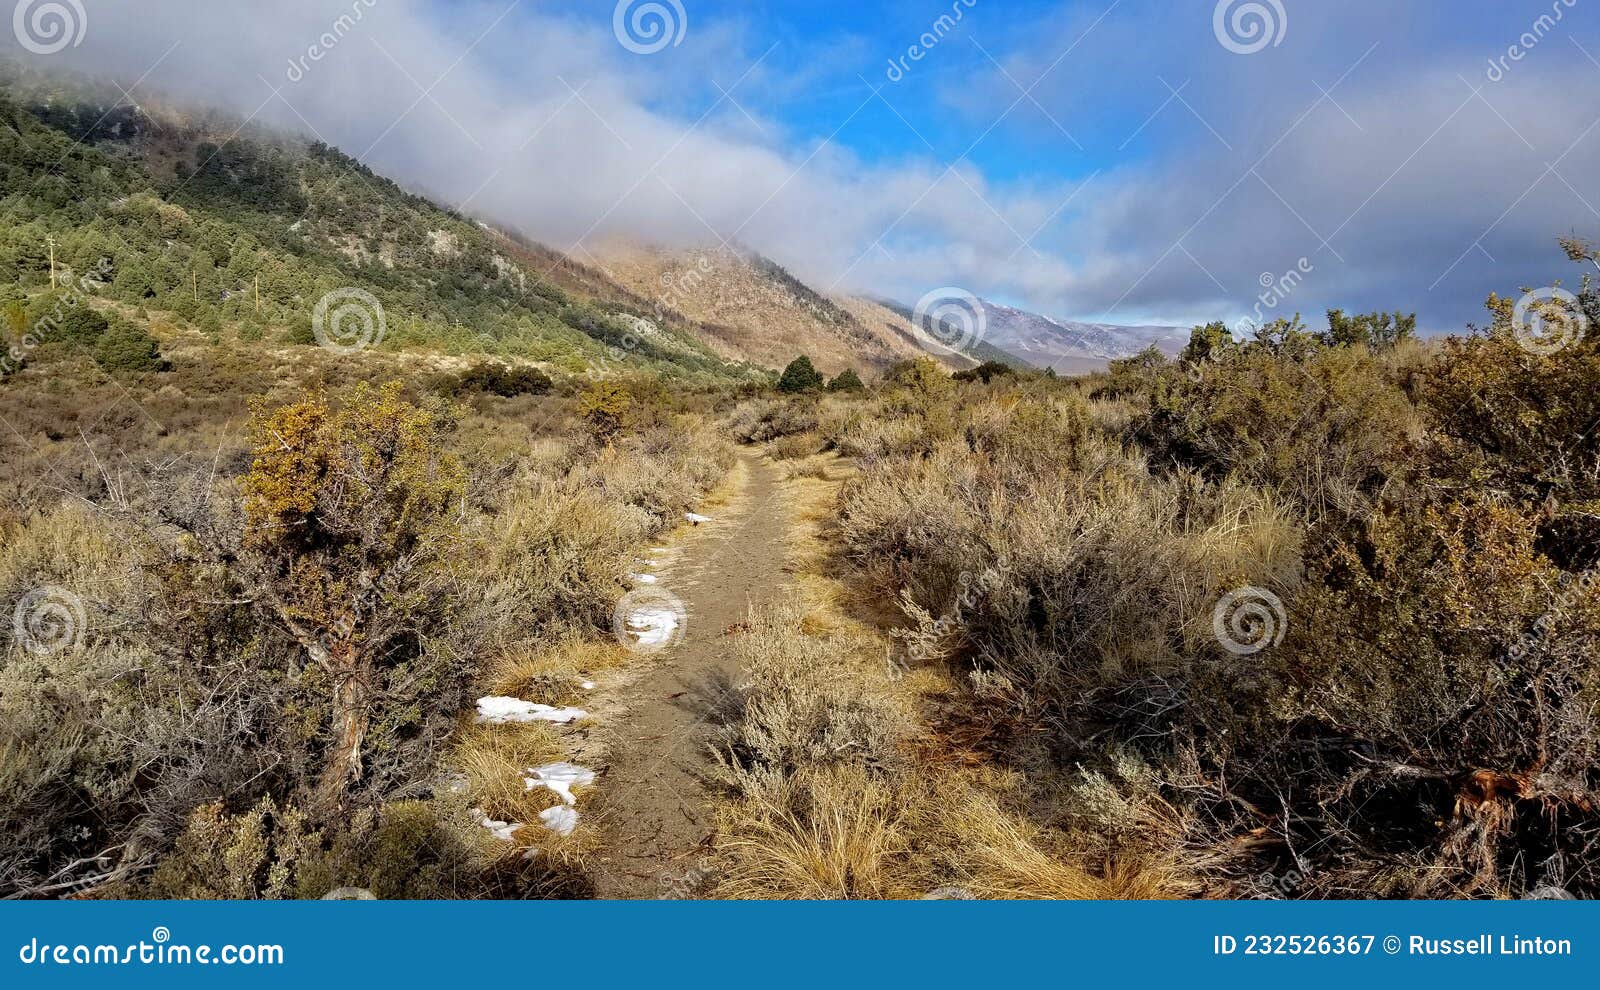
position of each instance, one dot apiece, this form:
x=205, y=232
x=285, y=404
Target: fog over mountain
x=753, y=126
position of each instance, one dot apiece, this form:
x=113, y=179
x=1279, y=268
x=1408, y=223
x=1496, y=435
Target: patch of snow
x=652, y=626
x=561, y=819
x=502, y=830
x=643, y=578
x=696, y=518
x=500, y=711
x=587, y=685
x=560, y=778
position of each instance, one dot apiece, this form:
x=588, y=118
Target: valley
x=352, y=542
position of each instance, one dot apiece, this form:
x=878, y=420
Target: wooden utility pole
x=52, y=241
x=194, y=280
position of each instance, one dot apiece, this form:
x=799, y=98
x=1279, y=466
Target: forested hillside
x=240, y=235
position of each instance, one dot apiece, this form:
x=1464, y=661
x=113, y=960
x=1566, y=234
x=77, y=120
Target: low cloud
x=1403, y=187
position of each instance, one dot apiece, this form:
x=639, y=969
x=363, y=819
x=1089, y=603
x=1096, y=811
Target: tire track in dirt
x=655, y=808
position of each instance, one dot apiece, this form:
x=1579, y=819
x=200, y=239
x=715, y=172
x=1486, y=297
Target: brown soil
x=653, y=799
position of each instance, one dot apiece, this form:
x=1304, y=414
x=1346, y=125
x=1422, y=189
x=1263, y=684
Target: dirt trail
x=653, y=801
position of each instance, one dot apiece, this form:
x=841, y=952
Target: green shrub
x=1376, y=330
x=1434, y=702
x=919, y=382
x=1512, y=421
x=1322, y=424
x=846, y=381
x=986, y=372
x=500, y=379
x=348, y=505
x=800, y=376
x=605, y=406
x=125, y=347
x=66, y=318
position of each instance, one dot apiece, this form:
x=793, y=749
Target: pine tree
x=847, y=381
x=800, y=376
x=127, y=347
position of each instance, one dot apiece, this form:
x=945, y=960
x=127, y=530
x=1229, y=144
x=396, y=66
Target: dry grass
x=839, y=787
x=179, y=689
x=494, y=759
x=820, y=835
x=815, y=467
x=794, y=447
x=999, y=854
x=1067, y=562
x=554, y=675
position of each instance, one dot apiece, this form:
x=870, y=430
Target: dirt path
x=655, y=807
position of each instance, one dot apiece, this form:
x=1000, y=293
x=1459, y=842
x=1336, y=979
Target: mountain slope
x=1070, y=347
x=247, y=234
x=977, y=350
x=750, y=309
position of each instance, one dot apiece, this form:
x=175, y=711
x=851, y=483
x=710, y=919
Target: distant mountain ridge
x=979, y=349
x=1069, y=346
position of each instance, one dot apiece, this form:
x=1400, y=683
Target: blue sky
x=1125, y=160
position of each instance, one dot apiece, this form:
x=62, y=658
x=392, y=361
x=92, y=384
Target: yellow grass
x=554, y=675
x=895, y=826
x=840, y=844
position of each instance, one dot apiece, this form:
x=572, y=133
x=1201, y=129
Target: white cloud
x=546, y=123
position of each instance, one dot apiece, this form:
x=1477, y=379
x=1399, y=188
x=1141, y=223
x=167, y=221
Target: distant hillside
x=241, y=239
x=977, y=351
x=1070, y=347
x=750, y=309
